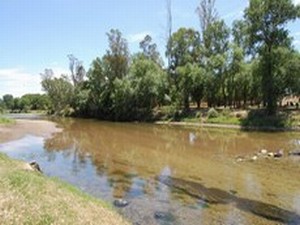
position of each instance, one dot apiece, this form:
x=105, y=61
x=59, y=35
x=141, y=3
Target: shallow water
x=173, y=175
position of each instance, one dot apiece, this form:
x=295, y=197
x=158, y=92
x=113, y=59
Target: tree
x=116, y=58
x=207, y=14
x=266, y=20
x=184, y=49
x=215, y=61
x=149, y=50
x=8, y=101
x=149, y=83
x=77, y=70
x=60, y=91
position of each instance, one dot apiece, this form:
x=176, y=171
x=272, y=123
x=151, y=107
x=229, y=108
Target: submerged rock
x=120, y=203
x=294, y=153
x=164, y=216
x=278, y=154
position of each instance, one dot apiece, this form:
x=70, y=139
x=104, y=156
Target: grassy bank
x=28, y=197
x=4, y=120
x=255, y=118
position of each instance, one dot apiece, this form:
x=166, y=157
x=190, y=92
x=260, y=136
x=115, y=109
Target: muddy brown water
x=173, y=175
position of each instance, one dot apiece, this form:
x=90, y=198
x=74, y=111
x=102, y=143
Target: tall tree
x=149, y=50
x=216, y=46
x=8, y=101
x=60, y=91
x=266, y=20
x=184, y=50
x=116, y=58
x=77, y=70
x=207, y=14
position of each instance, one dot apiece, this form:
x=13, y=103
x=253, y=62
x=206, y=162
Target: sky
x=39, y=34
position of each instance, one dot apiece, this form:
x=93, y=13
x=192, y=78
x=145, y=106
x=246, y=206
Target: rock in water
x=278, y=154
x=264, y=151
x=295, y=153
x=254, y=158
x=35, y=166
x=120, y=203
x=164, y=216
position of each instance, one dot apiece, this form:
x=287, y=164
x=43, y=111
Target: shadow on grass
x=259, y=119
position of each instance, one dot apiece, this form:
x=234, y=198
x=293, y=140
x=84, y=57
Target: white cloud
x=138, y=37
x=17, y=81
x=296, y=2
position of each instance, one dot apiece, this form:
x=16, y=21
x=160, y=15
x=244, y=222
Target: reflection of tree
x=122, y=152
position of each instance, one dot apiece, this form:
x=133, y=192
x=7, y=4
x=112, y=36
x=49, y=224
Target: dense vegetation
x=25, y=104
x=253, y=63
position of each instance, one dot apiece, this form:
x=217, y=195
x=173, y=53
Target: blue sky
x=39, y=34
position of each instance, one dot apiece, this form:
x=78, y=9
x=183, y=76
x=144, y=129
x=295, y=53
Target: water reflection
x=139, y=162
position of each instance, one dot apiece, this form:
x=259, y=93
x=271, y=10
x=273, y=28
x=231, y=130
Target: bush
x=212, y=113
x=226, y=112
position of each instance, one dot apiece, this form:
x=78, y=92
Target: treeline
x=252, y=63
x=25, y=103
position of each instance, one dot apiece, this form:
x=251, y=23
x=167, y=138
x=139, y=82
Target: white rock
x=264, y=151
x=254, y=158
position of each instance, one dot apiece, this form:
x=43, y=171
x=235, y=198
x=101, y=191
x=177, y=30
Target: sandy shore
x=22, y=127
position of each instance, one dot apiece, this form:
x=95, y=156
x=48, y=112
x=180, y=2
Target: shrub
x=226, y=112
x=212, y=113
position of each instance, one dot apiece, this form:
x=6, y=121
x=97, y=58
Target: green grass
x=224, y=120
x=4, y=120
x=28, y=197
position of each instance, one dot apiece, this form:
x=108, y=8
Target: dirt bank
x=21, y=128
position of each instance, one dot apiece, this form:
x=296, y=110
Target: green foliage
x=261, y=118
x=116, y=59
x=8, y=101
x=212, y=113
x=4, y=120
x=61, y=93
x=224, y=120
x=266, y=20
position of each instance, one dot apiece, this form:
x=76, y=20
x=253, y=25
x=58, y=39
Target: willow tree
x=267, y=20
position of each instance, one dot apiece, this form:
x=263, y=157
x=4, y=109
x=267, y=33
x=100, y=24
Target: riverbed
x=170, y=174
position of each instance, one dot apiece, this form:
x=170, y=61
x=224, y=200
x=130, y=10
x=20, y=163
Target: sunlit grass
x=28, y=197
x=225, y=120
x=4, y=120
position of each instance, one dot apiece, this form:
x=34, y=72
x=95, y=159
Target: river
x=174, y=175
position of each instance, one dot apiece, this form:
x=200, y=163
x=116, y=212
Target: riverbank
x=28, y=197
x=227, y=126
x=19, y=128
x=256, y=119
